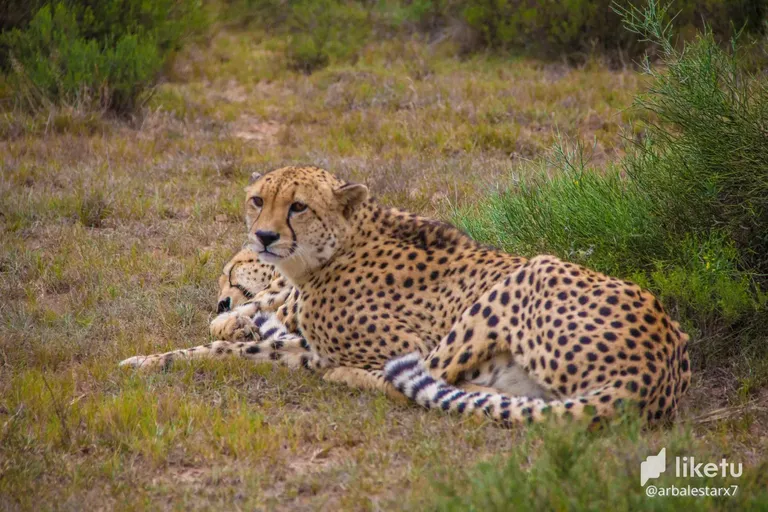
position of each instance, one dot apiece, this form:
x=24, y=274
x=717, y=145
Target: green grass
x=113, y=235
x=564, y=207
x=573, y=470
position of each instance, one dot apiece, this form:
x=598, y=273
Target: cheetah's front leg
x=237, y=325
x=293, y=354
x=216, y=350
x=275, y=344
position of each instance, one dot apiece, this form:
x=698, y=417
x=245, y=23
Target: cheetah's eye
x=298, y=207
x=257, y=201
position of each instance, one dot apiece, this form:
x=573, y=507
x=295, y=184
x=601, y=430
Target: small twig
x=727, y=412
x=59, y=412
x=9, y=424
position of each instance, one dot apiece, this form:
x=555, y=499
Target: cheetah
x=248, y=286
x=409, y=305
x=242, y=278
x=256, y=320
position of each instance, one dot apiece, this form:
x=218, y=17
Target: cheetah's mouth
x=269, y=256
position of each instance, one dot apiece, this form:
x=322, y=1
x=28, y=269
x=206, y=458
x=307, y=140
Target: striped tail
x=410, y=376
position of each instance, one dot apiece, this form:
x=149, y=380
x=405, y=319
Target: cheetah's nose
x=224, y=305
x=267, y=237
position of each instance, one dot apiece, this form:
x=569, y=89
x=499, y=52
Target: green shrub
x=307, y=53
x=95, y=54
x=326, y=29
x=424, y=16
x=706, y=164
x=17, y=13
x=578, y=26
x=268, y=14
x=577, y=214
x=318, y=31
x=687, y=219
x=717, y=302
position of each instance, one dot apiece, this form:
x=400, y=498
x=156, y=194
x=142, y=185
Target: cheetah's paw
x=233, y=326
x=143, y=362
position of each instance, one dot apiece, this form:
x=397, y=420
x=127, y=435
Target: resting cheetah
x=377, y=284
x=248, y=286
x=257, y=320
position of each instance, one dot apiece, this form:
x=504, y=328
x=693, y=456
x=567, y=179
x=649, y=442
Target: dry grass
x=113, y=235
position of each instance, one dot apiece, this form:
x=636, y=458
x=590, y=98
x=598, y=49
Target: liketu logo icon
x=653, y=466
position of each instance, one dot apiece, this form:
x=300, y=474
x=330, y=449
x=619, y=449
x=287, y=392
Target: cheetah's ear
x=351, y=195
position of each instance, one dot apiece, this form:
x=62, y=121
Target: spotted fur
x=595, y=342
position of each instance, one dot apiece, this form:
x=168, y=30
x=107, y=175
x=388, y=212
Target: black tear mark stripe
x=243, y=290
x=293, y=233
x=295, y=239
x=250, y=228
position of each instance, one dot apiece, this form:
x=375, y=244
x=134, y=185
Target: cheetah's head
x=298, y=217
x=242, y=278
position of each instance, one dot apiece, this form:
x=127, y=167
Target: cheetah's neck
x=406, y=229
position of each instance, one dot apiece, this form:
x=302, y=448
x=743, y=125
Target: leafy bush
x=706, y=279
x=323, y=30
x=685, y=218
x=706, y=165
x=424, y=16
x=550, y=25
x=17, y=13
x=577, y=214
x=95, y=54
x=317, y=30
x=578, y=26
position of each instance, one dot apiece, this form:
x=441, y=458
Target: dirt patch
x=253, y=129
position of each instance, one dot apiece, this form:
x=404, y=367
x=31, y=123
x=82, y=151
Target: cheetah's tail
x=411, y=377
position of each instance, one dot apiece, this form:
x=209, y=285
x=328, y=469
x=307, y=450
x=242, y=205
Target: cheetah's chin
x=270, y=257
x=266, y=256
